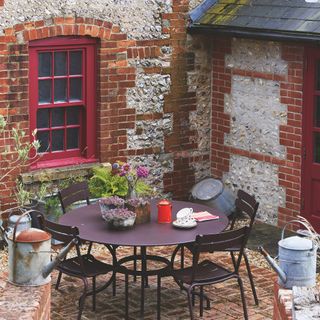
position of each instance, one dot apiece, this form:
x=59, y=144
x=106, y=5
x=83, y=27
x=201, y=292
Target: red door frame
x=310, y=169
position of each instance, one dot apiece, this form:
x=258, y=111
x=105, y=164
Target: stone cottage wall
x=153, y=96
x=256, y=122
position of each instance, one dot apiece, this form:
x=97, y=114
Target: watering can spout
x=51, y=265
x=273, y=264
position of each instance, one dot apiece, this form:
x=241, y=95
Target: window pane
x=60, y=90
x=76, y=62
x=57, y=117
x=44, y=91
x=60, y=63
x=57, y=140
x=73, y=115
x=75, y=89
x=72, y=138
x=43, y=118
x=45, y=63
x=43, y=137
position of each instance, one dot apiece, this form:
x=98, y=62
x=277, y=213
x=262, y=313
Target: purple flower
x=142, y=172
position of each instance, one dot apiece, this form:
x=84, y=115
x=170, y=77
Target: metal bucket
x=298, y=260
x=24, y=222
x=29, y=253
x=211, y=192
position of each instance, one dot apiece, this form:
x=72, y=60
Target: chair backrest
x=58, y=231
x=75, y=192
x=220, y=242
x=64, y=234
x=245, y=204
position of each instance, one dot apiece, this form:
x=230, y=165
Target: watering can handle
x=296, y=221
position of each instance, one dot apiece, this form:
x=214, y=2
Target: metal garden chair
x=83, y=266
x=207, y=272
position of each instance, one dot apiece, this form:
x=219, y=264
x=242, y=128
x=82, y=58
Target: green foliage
x=143, y=189
x=52, y=206
x=105, y=184
x=23, y=196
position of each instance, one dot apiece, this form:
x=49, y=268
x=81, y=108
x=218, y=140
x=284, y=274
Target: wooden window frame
x=87, y=147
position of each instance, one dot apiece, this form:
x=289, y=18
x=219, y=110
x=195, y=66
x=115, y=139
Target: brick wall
x=282, y=303
x=286, y=165
x=16, y=302
x=116, y=76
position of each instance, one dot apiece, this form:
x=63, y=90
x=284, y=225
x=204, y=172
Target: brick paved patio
x=225, y=297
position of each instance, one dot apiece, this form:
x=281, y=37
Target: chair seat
x=92, y=266
x=206, y=271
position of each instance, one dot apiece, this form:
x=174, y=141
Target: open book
x=204, y=216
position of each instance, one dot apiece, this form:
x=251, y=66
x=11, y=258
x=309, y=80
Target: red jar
x=164, y=211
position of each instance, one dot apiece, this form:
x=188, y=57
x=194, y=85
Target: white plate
x=189, y=225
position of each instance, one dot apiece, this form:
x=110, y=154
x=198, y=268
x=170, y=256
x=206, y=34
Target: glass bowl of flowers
x=119, y=218
x=110, y=203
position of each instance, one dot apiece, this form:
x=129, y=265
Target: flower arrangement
x=120, y=179
x=133, y=176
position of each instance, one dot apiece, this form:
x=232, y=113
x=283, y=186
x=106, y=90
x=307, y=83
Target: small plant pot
x=142, y=212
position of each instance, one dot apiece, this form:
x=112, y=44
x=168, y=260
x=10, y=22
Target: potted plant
x=141, y=206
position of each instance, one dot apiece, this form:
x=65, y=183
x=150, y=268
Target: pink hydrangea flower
x=142, y=172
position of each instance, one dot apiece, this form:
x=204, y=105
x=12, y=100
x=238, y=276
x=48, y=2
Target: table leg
x=143, y=277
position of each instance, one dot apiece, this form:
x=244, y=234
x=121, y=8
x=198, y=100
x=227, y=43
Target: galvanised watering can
x=29, y=259
x=297, y=260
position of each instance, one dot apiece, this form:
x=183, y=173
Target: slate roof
x=287, y=19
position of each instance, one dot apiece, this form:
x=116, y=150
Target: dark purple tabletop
x=93, y=228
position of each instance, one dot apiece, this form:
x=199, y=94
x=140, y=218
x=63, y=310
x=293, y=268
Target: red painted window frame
x=88, y=132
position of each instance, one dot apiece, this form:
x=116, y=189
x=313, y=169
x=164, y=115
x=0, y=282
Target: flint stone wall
x=139, y=19
x=199, y=81
x=255, y=116
x=258, y=178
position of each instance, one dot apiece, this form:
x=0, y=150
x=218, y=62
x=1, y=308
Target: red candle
x=164, y=211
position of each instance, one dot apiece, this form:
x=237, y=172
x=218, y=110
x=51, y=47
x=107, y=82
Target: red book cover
x=204, y=216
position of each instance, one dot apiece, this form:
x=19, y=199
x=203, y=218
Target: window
x=62, y=99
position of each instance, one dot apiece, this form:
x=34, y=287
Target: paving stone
x=225, y=297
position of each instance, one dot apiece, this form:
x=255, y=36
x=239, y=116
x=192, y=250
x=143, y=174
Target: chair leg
x=190, y=295
x=93, y=293
x=83, y=296
x=251, y=279
x=58, y=280
x=126, y=296
x=159, y=298
x=201, y=301
x=193, y=297
x=245, y=312
x=233, y=259
x=89, y=247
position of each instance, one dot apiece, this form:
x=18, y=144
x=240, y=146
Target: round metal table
x=94, y=229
